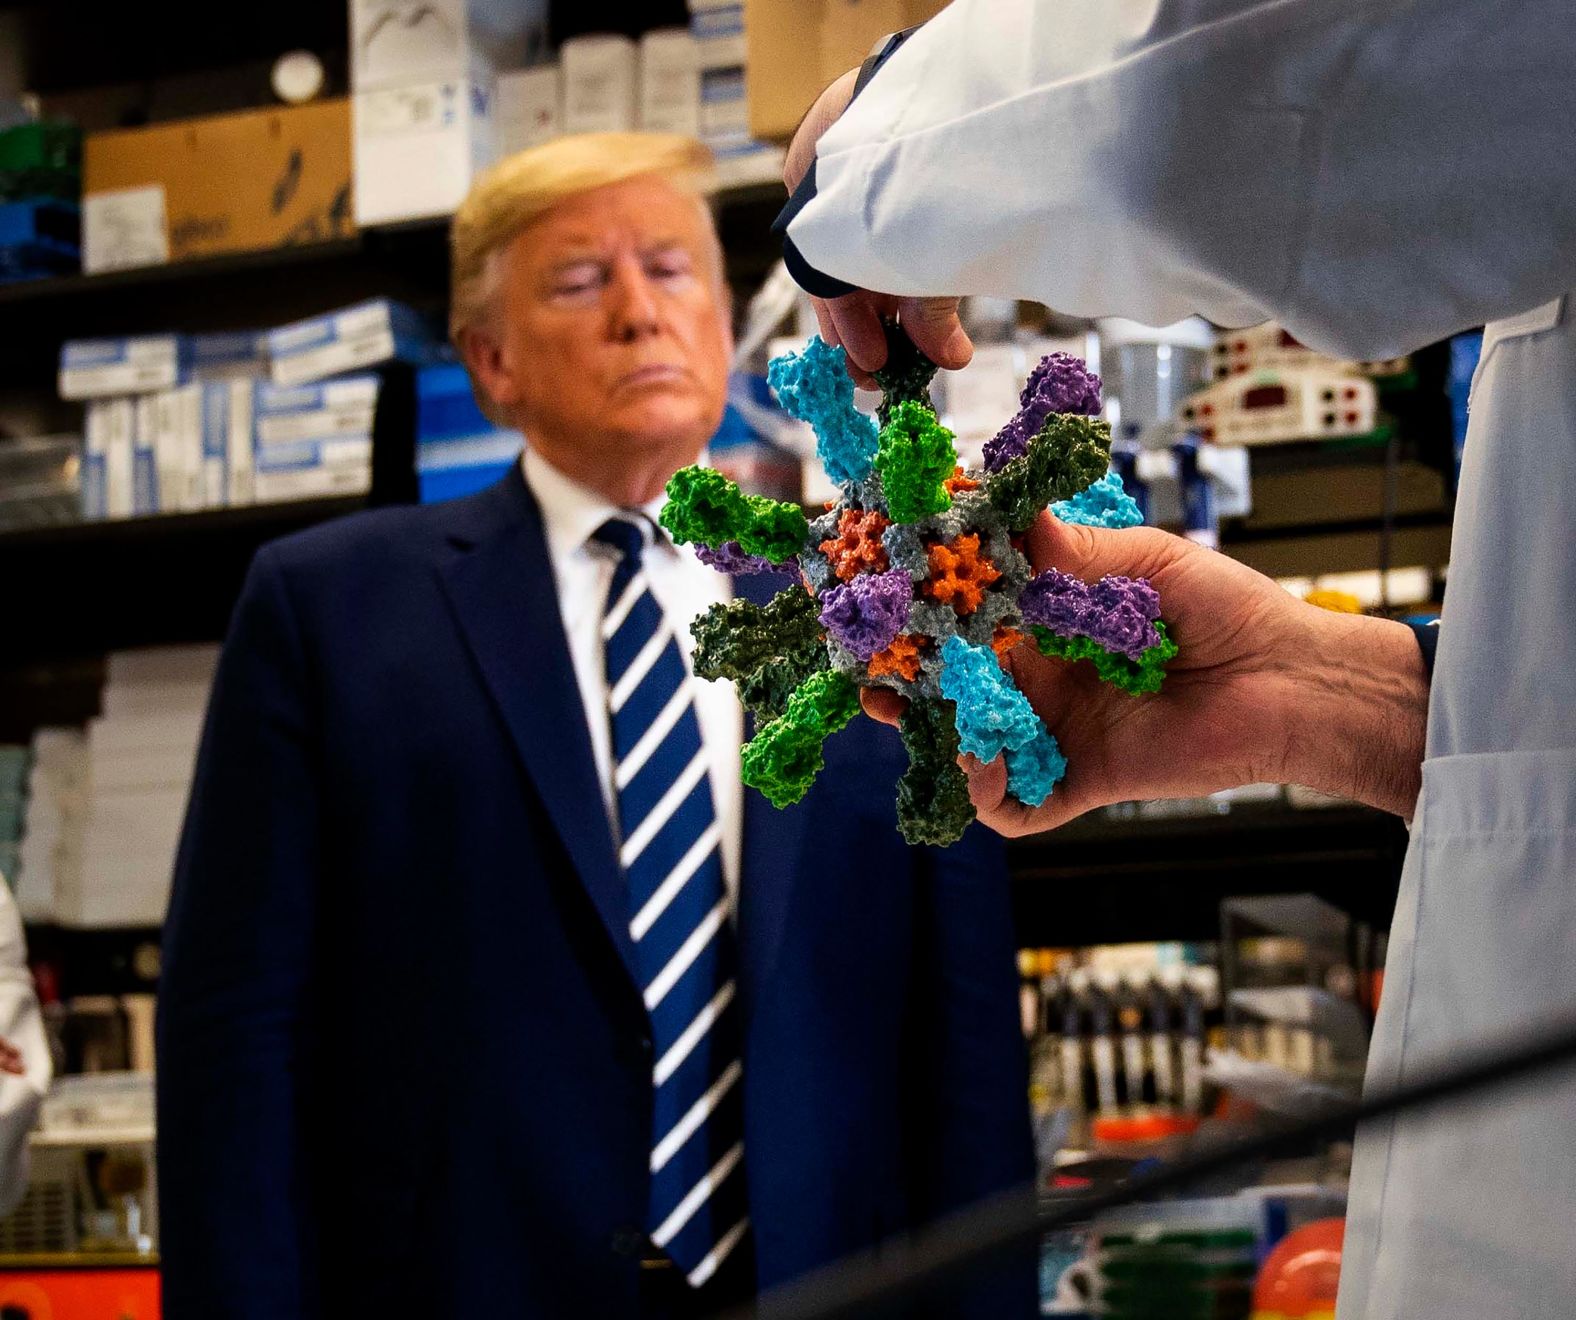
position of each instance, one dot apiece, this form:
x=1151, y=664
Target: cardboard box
x=225, y=183
x=796, y=47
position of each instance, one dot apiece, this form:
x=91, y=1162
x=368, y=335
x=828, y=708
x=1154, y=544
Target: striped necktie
x=684, y=949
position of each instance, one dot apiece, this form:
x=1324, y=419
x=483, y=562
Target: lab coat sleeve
x=22, y=1025
x=1375, y=174
x=238, y=946
x=972, y=1106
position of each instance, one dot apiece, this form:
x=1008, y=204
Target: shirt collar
x=571, y=512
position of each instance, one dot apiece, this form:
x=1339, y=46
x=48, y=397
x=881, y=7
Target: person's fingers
x=933, y=325
x=1092, y=552
x=882, y=704
x=823, y=319
x=859, y=329
x=11, y=1059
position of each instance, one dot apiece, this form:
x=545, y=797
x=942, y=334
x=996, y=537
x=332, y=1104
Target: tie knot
x=629, y=536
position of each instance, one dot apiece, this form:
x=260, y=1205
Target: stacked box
x=314, y=440
x=724, y=115
x=348, y=339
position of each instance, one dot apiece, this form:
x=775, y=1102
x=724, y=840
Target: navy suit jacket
x=404, y=1068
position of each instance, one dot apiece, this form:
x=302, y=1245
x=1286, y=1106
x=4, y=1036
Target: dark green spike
x=907, y=374
x=933, y=805
x=1067, y=455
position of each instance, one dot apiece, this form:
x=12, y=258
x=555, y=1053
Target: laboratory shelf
x=1104, y=879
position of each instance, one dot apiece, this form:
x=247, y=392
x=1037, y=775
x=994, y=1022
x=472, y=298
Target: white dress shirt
x=684, y=587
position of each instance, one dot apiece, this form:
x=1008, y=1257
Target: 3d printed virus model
x=915, y=580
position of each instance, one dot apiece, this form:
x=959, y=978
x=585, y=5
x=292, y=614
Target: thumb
x=1093, y=552
x=933, y=325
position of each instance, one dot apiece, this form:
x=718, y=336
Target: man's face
x=612, y=338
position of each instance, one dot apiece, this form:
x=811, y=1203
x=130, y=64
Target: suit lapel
x=502, y=591
x=772, y=844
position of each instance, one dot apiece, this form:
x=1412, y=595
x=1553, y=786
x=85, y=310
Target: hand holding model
x=11, y=1060
x=1265, y=688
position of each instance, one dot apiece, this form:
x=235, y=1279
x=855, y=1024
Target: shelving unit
x=1102, y=880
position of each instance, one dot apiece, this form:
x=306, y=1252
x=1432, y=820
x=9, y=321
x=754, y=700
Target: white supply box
x=329, y=410
x=344, y=340
x=724, y=108
x=178, y=445
x=145, y=457
x=99, y=368
x=416, y=148
x=107, y=459
x=669, y=83
x=314, y=468
x=529, y=108
x=421, y=76
x=600, y=84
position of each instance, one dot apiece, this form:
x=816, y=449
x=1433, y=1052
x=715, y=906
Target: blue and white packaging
x=178, y=448
x=326, y=410
x=110, y=423
x=239, y=442
x=144, y=460
x=381, y=330
x=314, y=440
x=103, y=368
x=458, y=450
x=310, y=469
x=719, y=36
x=229, y=355
x=215, y=443
x=119, y=443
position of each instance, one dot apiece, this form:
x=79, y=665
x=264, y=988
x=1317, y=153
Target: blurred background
x=223, y=287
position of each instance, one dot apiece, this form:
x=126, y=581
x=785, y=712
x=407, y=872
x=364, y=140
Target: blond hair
x=518, y=189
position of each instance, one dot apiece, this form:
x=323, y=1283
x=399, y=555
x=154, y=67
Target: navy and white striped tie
x=669, y=852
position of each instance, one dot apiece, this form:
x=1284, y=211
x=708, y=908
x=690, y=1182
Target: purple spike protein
x=1060, y=383
x=730, y=558
x=866, y=614
x=1117, y=612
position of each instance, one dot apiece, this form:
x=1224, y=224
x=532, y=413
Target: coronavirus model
x=916, y=580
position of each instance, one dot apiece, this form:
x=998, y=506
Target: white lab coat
x=1374, y=176
x=22, y=1025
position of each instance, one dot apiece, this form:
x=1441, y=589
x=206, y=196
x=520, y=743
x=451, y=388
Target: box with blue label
x=102, y=368
x=314, y=440
x=228, y=355
x=458, y=451
x=348, y=339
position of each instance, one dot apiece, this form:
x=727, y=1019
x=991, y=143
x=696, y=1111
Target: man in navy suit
x=487, y=991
